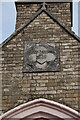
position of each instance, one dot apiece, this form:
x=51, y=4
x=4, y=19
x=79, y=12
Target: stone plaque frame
x=41, y=57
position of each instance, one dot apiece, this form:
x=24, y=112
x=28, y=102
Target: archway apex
x=41, y=108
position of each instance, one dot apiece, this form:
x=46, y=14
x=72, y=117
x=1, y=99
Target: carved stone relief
x=41, y=57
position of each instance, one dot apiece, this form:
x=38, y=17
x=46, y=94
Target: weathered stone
x=62, y=86
x=41, y=57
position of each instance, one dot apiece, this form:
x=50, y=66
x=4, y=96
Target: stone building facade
x=39, y=25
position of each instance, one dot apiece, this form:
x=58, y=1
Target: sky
x=8, y=18
x=76, y=16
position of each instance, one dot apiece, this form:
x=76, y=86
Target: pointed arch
x=41, y=108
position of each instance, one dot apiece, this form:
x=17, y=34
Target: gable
x=33, y=17
x=60, y=85
x=44, y=28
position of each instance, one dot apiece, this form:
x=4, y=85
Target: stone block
x=41, y=57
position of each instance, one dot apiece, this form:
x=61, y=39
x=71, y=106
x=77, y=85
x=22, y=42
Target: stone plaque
x=41, y=57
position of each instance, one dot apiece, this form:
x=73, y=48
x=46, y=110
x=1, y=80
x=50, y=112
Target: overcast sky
x=8, y=18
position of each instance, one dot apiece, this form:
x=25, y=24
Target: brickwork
x=0, y=81
x=60, y=11
x=62, y=86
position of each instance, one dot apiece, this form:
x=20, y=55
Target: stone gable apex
x=34, y=17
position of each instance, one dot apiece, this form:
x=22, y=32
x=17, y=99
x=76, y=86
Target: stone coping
x=43, y=0
x=39, y=107
x=32, y=19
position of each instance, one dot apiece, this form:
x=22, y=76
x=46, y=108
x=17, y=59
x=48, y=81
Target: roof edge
x=33, y=17
x=28, y=1
x=21, y=28
x=60, y=24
